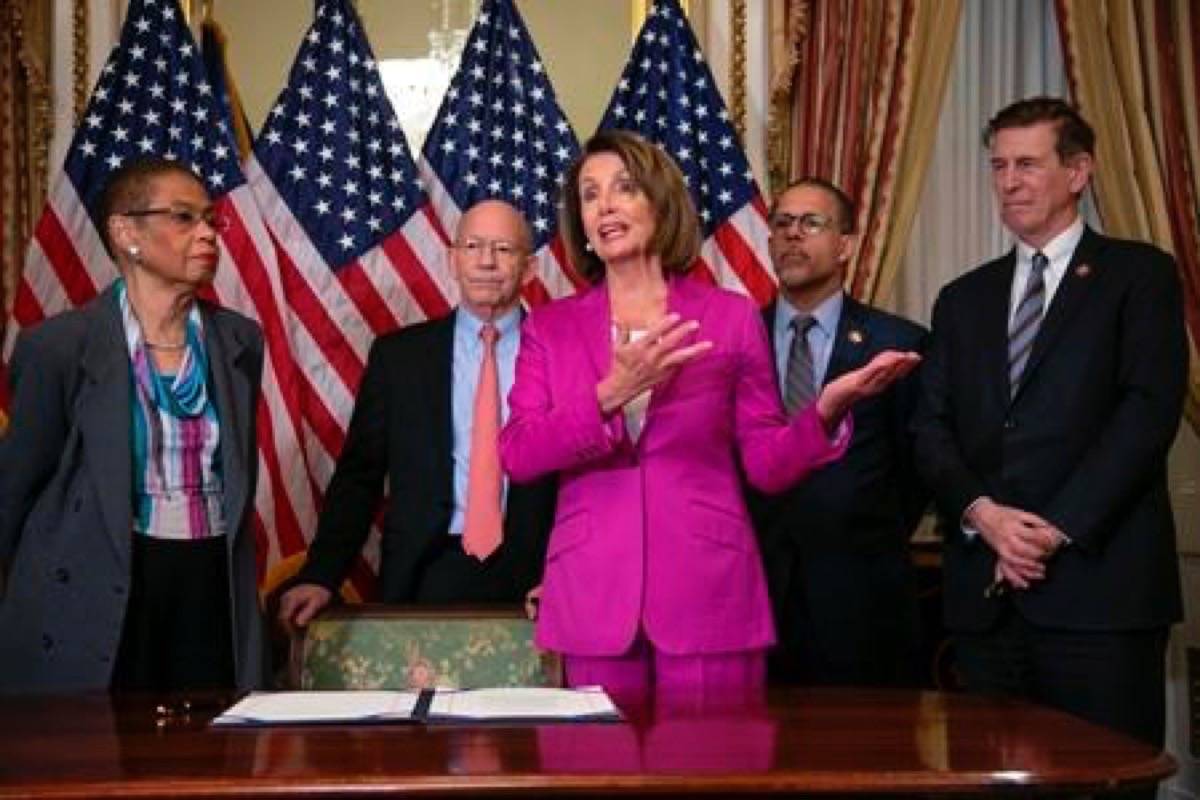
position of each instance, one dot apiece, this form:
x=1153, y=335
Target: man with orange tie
x=426, y=418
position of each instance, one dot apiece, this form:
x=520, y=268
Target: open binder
x=429, y=706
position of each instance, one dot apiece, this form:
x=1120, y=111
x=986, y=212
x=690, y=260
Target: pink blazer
x=655, y=534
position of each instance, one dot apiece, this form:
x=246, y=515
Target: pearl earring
x=134, y=252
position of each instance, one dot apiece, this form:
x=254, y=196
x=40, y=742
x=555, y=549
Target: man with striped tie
x=1051, y=393
x=836, y=545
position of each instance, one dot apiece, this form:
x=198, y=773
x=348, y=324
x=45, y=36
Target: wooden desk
x=793, y=741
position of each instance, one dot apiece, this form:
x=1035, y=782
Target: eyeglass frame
x=184, y=218
x=509, y=252
x=811, y=223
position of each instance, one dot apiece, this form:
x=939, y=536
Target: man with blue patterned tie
x=836, y=545
x=1051, y=393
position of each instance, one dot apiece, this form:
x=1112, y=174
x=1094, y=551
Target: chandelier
x=416, y=85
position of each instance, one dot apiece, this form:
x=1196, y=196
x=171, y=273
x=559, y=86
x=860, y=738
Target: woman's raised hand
x=644, y=362
x=876, y=375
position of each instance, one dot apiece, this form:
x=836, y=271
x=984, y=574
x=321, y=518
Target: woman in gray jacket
x=127, y=473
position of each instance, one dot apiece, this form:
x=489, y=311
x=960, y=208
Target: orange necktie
x=484, y=523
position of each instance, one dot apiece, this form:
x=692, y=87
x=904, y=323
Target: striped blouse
x=176, y=438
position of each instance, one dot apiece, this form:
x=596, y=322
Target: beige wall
x=583, y=45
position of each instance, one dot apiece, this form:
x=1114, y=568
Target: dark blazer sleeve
x=939, y=460
x=255, y=371
x=914, y=495
x=43, y=375
x=237, y=367
x=356, y=487
x=1151, y=384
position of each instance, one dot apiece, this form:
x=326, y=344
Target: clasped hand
x=643, y=363
x=1022, y=541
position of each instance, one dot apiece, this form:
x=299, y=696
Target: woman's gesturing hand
x=644, y=362
x=879, y=373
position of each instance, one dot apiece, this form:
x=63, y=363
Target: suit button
x=47, y=642
x=118, y=589
x=1010, y=424
x=61, y=575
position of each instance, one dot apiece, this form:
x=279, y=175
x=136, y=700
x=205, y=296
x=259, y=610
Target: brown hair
x=1075, y=135
x=676, y=239
x=845, y=206
x=128, y=189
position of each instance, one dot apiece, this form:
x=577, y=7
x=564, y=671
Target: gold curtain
x=1134, y=68
x=857, y=89
x=25, y=131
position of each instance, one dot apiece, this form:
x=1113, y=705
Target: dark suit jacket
x=1083, y=443
x=839, y=538
x=402, y=429
x=66, y=511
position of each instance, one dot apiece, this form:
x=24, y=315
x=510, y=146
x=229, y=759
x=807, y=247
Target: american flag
x=153, y=98
x=500, y=133
x=667, y=94
x=359, y=251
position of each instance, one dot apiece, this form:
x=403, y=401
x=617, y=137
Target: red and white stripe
x=736, y=256
x=335, y=312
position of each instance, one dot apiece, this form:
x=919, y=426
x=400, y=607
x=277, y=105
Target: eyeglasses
x=185, y=219
x=811, y=224
x=503, y=251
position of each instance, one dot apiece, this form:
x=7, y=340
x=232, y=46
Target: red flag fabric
x=359, y=250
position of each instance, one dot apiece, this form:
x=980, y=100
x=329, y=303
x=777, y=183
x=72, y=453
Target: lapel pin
x=855, y=336
x=1083, y=270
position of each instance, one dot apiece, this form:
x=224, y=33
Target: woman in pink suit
x=641, y=392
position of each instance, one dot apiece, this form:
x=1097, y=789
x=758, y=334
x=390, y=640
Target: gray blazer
x=66, y=511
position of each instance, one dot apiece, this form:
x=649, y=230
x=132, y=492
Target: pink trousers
x=645, y=667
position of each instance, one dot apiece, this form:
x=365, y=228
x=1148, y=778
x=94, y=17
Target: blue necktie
x=1026, y=322
x=800, y=384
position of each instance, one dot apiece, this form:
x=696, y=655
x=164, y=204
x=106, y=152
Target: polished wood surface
x=792, y=741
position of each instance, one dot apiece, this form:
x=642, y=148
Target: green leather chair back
x=385, y=647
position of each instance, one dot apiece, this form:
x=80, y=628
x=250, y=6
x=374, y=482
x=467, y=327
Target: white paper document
x=281, y=708
x=515, y=704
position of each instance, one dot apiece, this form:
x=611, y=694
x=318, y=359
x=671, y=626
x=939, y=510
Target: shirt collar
x=469, y=324
x=1057, y=250
x=826, y=313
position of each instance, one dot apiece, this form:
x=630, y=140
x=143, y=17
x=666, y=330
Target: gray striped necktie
x=1026, y=322
x=801, y=386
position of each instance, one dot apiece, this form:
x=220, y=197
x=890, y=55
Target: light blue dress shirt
x=464, y=377
x=820, y=336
